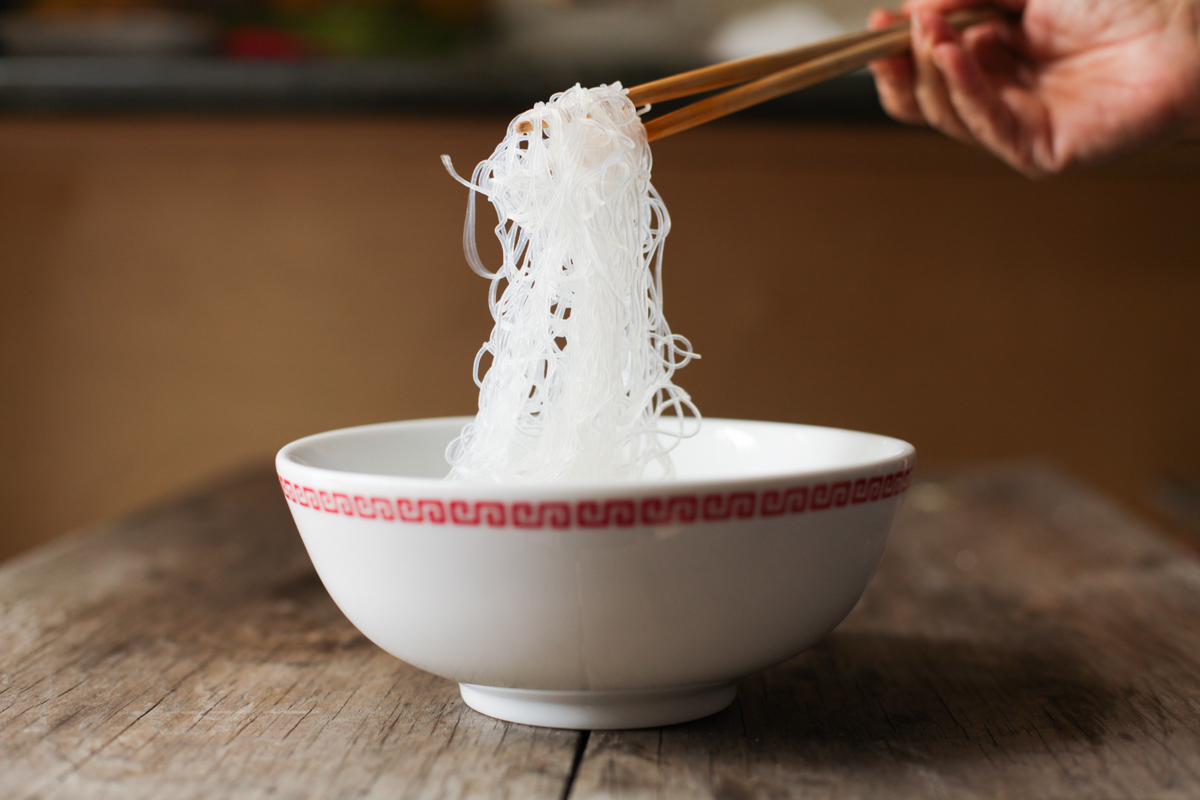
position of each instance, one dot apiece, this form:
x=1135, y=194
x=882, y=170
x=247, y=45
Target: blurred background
x=225, y=225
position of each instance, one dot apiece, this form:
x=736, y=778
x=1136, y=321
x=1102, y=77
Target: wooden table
x=1024, y=638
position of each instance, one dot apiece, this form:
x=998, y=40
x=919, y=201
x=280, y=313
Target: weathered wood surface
x=1023, y=639
x=192, y=653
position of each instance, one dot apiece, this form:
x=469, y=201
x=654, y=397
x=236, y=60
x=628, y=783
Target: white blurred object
x=766, y=30
x=608, y=32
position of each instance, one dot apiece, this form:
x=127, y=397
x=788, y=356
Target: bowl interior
x=724, y=449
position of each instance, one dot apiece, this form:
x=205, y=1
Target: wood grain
x=192, y=652
x=1024, y=638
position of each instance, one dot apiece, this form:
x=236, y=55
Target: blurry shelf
x=481, y=82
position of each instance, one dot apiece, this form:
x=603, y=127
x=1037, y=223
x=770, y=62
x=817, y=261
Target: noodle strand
x=582, y=358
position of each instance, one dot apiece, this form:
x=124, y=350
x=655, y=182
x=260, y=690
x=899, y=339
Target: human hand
x=1073, y=82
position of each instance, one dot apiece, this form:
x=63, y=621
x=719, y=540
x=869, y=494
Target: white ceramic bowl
x=602, y=605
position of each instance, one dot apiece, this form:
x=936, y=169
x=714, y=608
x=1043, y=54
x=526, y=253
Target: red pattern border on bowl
x=680, y=509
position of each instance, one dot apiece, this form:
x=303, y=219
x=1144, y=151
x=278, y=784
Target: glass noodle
x=582, y=360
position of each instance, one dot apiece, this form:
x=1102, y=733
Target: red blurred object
x=266, y=43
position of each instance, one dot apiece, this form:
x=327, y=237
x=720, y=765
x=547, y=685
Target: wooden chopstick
x=863, y=49
x=778, y=73
x=728, y=73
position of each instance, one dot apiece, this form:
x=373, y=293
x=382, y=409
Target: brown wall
x=180, y=297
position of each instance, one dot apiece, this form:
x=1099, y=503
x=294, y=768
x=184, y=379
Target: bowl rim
x=285, y=461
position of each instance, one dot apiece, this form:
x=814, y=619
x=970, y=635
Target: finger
x=911, y=7
x=882, y=18
x=943, y=6
x=982, y=109
x=928, y=32
x=894, y=76
x=988, y=46
x=894, y=84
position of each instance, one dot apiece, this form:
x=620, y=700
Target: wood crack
x=576, y=761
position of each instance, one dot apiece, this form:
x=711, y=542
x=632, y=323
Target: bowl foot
x=599, y=710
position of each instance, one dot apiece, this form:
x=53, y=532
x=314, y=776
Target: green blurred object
x=357, y=28
x=376, y=29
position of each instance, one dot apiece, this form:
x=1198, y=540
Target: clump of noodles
x=580, y=383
